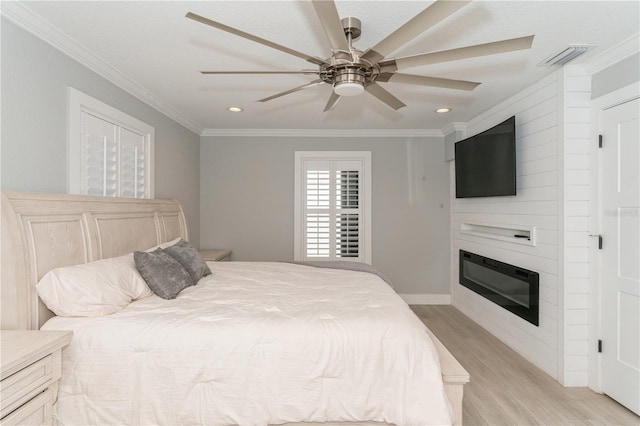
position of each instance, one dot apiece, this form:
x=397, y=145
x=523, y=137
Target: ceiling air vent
x=566, y=55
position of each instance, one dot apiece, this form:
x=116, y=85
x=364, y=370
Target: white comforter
x=255, y=344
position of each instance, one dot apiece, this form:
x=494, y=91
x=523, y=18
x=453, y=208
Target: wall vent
x=566, y=55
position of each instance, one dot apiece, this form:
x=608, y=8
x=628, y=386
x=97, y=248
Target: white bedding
x=254, y=344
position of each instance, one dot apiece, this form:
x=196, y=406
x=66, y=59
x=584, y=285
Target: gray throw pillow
x=190, y=259
x=163, y=274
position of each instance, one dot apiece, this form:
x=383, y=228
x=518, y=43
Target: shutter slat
x=318, y=233
x=347, y=188
x=347, y=235
x=318, y=189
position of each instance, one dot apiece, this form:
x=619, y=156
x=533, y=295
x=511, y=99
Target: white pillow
x=92, y=289
x=164, y=245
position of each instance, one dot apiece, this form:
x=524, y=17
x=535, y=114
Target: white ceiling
x=153, y=44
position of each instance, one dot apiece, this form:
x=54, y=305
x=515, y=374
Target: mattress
x=255, y=343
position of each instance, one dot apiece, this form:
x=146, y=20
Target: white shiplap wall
x=553, y=137
x=576, y=96
x=538, y=111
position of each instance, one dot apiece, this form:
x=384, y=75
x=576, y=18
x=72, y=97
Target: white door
x=620, y=280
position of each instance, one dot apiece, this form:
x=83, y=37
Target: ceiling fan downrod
x=350, y=78
x=352, y=29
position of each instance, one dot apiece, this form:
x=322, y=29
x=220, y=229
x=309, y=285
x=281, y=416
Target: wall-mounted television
x=486, y=163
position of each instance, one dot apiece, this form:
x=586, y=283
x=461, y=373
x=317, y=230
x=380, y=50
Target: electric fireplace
x=515, y=289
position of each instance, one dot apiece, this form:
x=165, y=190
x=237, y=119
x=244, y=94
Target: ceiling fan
x=352, y=72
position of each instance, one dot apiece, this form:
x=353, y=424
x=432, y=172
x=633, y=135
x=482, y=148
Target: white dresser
x=31, y=365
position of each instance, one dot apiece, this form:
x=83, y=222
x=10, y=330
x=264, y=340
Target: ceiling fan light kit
x=351, y=72
x=349, y=81
x=348, y=88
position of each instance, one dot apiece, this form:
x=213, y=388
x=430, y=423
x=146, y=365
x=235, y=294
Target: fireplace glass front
x=515, y=289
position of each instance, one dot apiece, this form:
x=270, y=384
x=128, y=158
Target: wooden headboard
x=41, y=232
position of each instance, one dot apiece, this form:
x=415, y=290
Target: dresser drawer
x=20, y=387
x=38, y=411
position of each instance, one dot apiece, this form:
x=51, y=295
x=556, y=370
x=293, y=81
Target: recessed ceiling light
x=443, y=110
x=235, y=109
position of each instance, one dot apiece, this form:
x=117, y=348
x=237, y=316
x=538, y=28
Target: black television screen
x=486, y=163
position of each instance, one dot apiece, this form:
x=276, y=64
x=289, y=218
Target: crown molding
x=20, y=14
x=617, y=53
x=454, y=127
x=325, y=133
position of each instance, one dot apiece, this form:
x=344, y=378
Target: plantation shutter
x=332, y=213
x=115, y=161
x=132, y=164
x=317, y=213
x=101, y=155
x=348, y=213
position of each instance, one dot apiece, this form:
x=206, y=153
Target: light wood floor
x=506, y=389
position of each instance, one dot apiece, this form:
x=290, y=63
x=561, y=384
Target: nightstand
x=216, y=255
x=30, y=367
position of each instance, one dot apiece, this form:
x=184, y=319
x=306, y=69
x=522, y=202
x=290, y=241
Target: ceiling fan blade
x=305, y=72
x=206, y=21
x=424, y=20
x=332, y=102
x=295, y=89
x=385, y=96
x=328, y=14
x=420, y=80
x=485, y=49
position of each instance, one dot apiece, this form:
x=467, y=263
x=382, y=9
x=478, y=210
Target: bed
x=253, y=343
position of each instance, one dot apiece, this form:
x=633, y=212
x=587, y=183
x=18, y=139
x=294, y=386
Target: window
x=110, y=152
x=333, y=206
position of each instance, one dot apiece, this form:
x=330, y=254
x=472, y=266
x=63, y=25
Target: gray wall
x=615, y=77
x=35, y=77
x=247, y=193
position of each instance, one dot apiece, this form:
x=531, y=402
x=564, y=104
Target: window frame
x=365, y=198
x=78, y=103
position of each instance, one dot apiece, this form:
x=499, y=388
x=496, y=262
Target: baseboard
x=427, y=299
